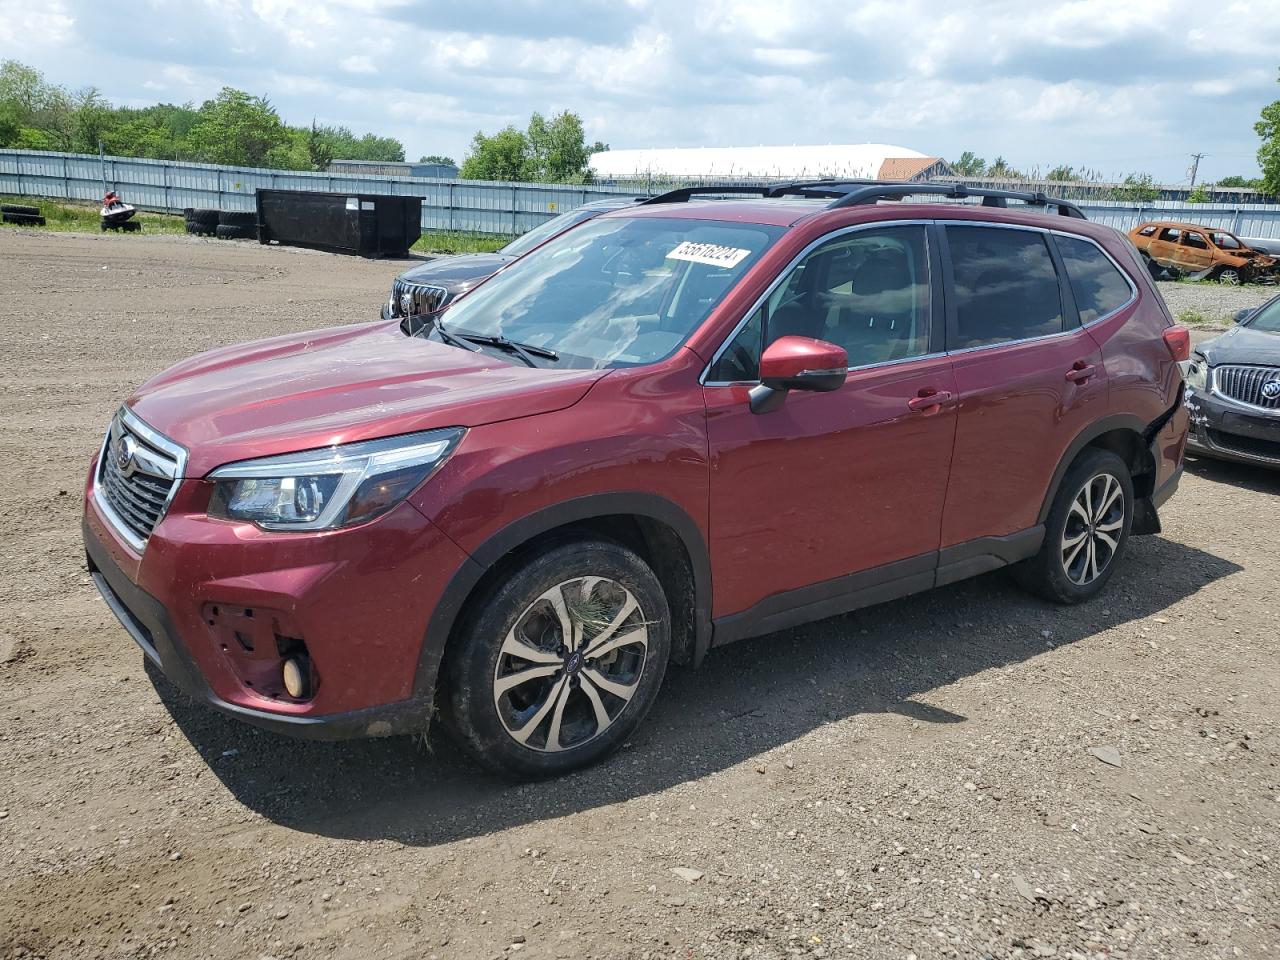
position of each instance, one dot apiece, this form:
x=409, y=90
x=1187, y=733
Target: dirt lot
x=916, y=780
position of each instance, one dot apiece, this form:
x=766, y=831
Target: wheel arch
x=658, y=529
x=1122, y=434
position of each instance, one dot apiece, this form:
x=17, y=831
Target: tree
x=500, y=157
x=969, y=165
x=236, y=128
x=1268, y=128
x=1061, y=172
x=1241, y=182
x=1000, y=170
x=1199, y=195
x=438, y=158
x=1136, y=188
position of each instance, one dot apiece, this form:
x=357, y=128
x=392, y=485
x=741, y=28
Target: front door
x=816, y=498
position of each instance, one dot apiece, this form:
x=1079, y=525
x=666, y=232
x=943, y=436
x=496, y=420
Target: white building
x=874, y=161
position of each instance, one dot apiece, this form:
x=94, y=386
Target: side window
x=1147, y=231
x=1006, y=287
x=1099, y=286
x=1170, y=234
x=867, y=291
x=1195, y=240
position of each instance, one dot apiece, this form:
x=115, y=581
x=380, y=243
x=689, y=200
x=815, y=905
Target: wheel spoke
x=611, y=686
x=503, y=684
x=1070, y=558
x=1107, y=539
x=1110, y=527
x=1078, y=509
x=568, y=633
x=1072, y=541
x=1108, y=498
x=513, y=646
x=522, y=735
x=557, y=717
x=1091, y=564
x=1087, y=493
x=602, y=638
x=639, y=635
x=592, y=694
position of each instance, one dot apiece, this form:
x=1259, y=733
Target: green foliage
x=1062, y=172
x=1136, y=188
x=443, y=241
x=550, y=151
x=233, y=128
x=1241, y=182
x=1199, y=195
x=438, y=158
x=969, y=165
x=1001, y=170
x=1268, y=128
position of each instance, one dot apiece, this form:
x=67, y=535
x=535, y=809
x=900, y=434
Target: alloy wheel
x=1094, y=526
x=570, y=664
x=1230, y=277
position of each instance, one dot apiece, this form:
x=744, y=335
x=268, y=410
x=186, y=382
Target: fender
x=444, y=617
x=1120, y=421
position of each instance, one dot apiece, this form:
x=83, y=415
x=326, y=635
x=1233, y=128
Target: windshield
x=615, y=292
x=545, y=231
x=1267, y=319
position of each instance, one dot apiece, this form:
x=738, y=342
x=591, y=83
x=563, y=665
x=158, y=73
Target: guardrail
x=466, y=206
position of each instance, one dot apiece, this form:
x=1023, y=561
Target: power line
x=1195, y=167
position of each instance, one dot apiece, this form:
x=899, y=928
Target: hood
x=457, y=274
x=1243, y=345
x=336, y=386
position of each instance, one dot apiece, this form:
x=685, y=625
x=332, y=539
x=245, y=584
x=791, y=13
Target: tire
x=20, y=208
x=205, y=219
x=512, y=731
x=237, y=218
x=24, y=219
x=1047, y=573
x=1230, y=277
x=227, y=232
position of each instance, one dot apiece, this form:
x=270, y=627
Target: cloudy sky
x=1110, y=85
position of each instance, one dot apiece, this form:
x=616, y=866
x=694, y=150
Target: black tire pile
x=223, y=224
x=21, y=213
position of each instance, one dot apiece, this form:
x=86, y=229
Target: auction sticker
x=711, y=253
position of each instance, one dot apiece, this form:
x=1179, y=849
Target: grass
x=65, y=216
x=1197, y=318
x=445, y=242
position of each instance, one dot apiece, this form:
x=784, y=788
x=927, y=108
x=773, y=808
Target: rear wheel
x=1230, y=276
x=1086, y=532
x=560, y=664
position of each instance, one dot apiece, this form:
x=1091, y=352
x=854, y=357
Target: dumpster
x=367, y=225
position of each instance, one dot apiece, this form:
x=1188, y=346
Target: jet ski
x=115, y=212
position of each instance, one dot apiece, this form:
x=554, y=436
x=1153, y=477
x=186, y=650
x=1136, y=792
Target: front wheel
x=1230, y=276
x=1086, y=532
x=560, y=664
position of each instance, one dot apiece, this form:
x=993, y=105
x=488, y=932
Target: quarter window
x=867, y=291
x=1171, y=234
x=1005, y=284
x=1098, y=285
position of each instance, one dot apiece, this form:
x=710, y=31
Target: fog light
x=296, y=682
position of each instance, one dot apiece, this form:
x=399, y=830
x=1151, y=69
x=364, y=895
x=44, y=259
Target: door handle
x=1081, y=371
x=929, y=401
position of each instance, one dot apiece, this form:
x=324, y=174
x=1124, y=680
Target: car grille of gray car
x=423, y=297
x=1249, y=385
x=137, y=473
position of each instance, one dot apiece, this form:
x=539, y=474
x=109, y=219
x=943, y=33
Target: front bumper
x=213, y=605
x=1230, y=431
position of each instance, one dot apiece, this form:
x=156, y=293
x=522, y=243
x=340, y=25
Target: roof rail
x=855, y=192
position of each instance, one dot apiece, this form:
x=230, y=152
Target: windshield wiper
x=452, y=339
x=525, y=351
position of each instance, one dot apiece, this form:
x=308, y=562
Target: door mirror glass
x=797, y=363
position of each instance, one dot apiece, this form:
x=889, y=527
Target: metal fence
x=467, y=206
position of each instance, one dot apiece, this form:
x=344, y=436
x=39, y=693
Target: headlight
x=1197, y=372
x=331, y=487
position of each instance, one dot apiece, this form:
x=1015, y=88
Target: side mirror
x=797, y=363
x=1241, y=316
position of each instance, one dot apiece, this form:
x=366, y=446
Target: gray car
x=1233, y=390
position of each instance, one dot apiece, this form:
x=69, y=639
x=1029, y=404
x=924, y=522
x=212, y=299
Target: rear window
x=1147, y=231
x=1006, y=287
x=1097, y=283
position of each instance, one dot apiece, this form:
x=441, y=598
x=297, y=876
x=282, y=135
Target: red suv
x=681, y=424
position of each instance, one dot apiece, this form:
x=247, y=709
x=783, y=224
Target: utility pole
x=1195, y=167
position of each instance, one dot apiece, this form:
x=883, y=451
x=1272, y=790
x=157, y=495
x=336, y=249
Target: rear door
x=1195, y=254
x=1029, y=377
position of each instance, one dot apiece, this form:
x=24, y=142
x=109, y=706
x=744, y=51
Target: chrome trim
x=782, y=275
x=159, y=442
x=1211, y=383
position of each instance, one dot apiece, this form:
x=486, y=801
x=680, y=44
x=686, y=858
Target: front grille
x=1249, y=384
x=137, y=473
x=425, y=297
x=1249, y=446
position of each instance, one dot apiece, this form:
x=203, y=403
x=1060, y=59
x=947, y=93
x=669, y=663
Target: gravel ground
x=1213, y=301
x=969, y=773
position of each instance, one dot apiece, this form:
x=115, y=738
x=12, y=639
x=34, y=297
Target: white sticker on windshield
x=712, y=253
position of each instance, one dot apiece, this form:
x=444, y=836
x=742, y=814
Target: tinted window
x=1267, y=319
x=1097, y=283
x=1006, y=287
x=545, y=231
x=867, y=291
x=1171, y=234
x=1195, y=240
x=615, y=292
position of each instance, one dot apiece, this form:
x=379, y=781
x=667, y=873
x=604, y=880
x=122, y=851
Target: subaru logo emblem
x=1271, y=389
x=126, y=450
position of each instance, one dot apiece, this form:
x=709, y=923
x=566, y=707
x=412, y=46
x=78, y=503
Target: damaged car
x=1233, y=391
x=1173, y=250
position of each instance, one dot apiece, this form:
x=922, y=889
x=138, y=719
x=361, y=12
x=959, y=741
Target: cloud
x=1117, y=88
